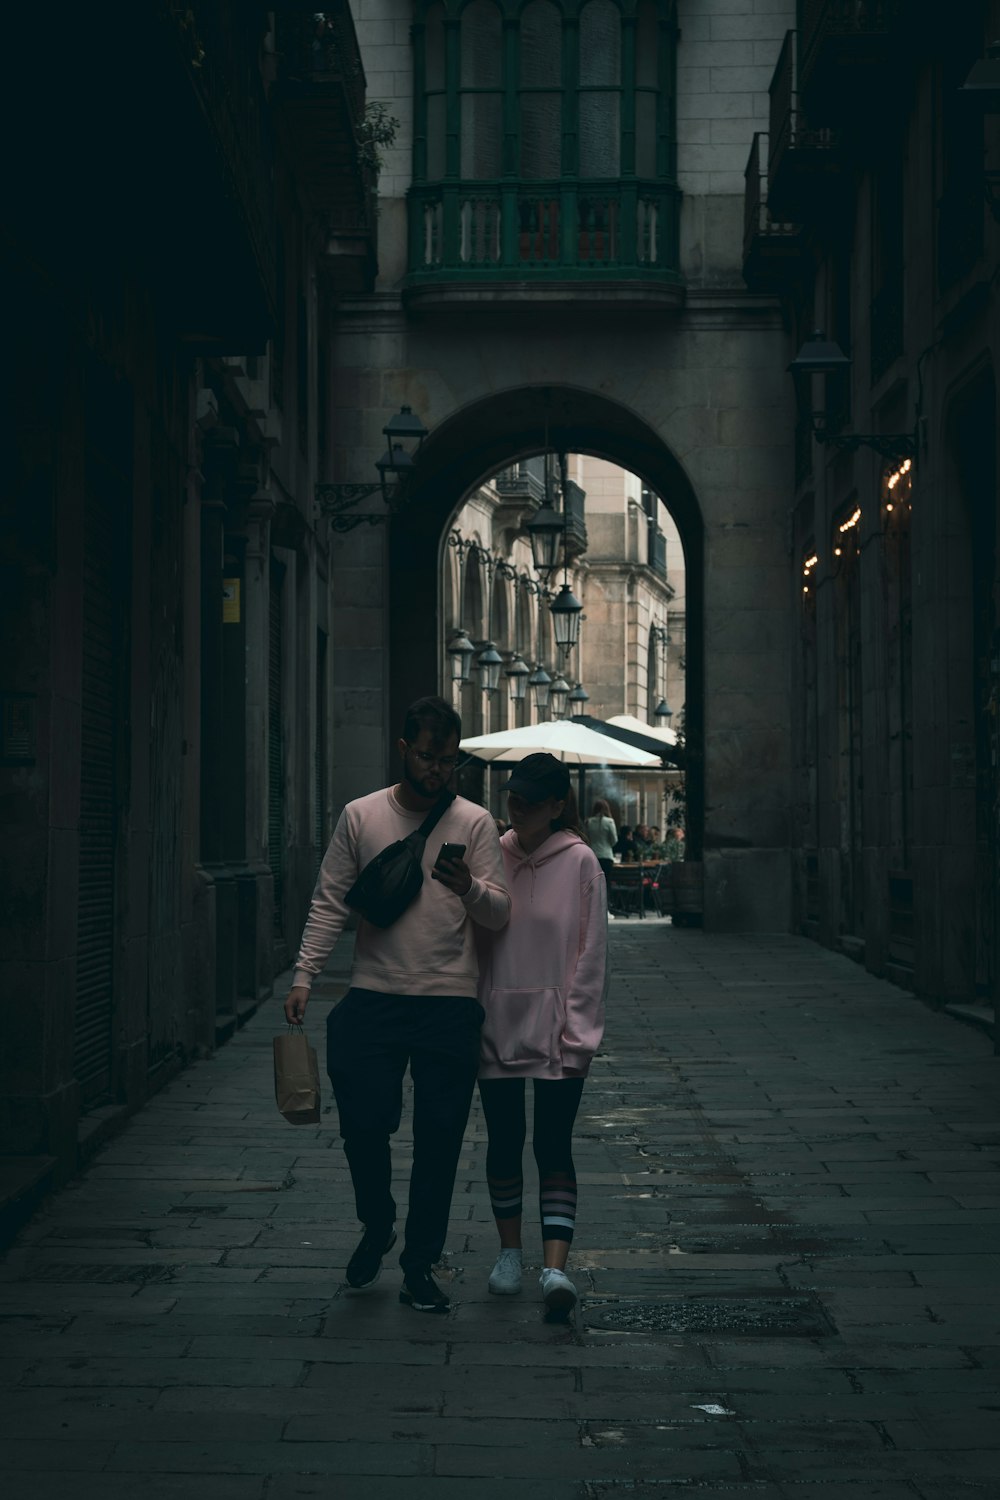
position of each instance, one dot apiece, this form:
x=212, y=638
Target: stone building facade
x=872, y=211
x=626, y=567
x=561, y=226
x=167, y=667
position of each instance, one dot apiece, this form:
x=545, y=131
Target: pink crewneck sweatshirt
x=542, y=978
x=431, y=948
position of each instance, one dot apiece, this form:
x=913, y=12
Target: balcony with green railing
x=507, y=240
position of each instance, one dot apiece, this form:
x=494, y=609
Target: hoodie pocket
x=523, y=1026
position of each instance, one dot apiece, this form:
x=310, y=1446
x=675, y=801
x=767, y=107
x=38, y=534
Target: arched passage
x=484, y=437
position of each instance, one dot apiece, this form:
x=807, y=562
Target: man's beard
x=417, y=785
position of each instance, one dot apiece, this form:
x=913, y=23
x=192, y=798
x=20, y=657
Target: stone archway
x=475, y=442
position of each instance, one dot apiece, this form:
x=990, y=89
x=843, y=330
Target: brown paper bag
x=296, y=1078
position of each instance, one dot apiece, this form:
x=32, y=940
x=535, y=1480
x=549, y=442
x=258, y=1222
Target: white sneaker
x=505, y=1277
x=559, y=1293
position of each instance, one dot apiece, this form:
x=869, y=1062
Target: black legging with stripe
x=556, y=1103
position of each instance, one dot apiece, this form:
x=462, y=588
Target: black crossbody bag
x=389, y=883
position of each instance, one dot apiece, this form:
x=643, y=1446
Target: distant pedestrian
x=542, y=985
x=412, y=998
x=603, y=835
x=625, y=845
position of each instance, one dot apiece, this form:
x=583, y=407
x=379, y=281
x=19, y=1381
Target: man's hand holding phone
x=452, y=871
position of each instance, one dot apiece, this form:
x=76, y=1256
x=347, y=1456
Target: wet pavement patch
x=758, y=1316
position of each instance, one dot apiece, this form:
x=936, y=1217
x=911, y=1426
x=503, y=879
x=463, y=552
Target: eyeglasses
x=446, y=762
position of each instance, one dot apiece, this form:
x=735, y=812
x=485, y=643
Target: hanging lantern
x=545, y=532
x=578, y=700
x=663, y=713
x=461, y=651
x=558, y=695
x=489, y=663
x=517, y=673
x=566, y=611
x=540, y=683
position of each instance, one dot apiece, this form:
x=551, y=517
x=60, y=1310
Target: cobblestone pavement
x=788, y=1249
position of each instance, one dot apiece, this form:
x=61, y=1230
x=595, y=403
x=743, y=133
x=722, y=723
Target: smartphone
x=449, y=851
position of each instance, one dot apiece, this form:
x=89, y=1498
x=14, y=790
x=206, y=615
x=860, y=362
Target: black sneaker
x=421, y=1292
x=365, y=1264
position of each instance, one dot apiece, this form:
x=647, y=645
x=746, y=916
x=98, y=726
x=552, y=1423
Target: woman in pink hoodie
x=541, y=984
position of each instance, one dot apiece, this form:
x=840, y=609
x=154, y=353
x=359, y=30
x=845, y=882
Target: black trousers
x=371, y=1038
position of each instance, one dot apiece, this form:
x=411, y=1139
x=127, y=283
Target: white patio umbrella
x=574, y=744
x=636, y=726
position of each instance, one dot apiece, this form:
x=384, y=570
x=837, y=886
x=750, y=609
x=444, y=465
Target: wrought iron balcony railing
x=491, y=232
x=769, y=247
x=657, y=552
x=804, y=159
x=319, y=99
x=576, y=524
x=521, y=483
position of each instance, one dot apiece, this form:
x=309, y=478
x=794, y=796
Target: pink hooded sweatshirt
x=542, y=979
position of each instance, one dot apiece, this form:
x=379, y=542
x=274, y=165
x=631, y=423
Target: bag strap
x=435, y=815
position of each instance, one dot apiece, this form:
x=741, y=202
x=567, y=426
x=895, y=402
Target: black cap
x=538, y=777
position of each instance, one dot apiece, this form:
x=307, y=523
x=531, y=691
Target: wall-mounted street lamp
x=578, y=700
x=663, y=713
x=404, y=435
x=822, y=356
x=540, y=682
x=461, y=651
x=517, y=674
x=558, y=695
x=489, y=664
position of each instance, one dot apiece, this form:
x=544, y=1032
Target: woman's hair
x=568, y=820
x=600, y=809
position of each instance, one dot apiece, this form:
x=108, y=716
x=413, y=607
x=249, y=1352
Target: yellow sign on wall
x=230, y=601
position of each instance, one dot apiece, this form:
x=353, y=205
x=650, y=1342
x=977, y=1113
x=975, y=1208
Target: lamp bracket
x=335, y=500
x=886, y=444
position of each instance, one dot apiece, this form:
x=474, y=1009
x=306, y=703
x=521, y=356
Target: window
x=481, y=90
x=586, y=92
x=544, y=138
x=540, y=91
x=599, y=106
x=435, y=95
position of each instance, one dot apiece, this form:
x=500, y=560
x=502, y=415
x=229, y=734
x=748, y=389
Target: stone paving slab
x=768, y=1128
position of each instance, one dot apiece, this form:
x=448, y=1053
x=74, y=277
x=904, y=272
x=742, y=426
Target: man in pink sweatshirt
x=412, y=999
